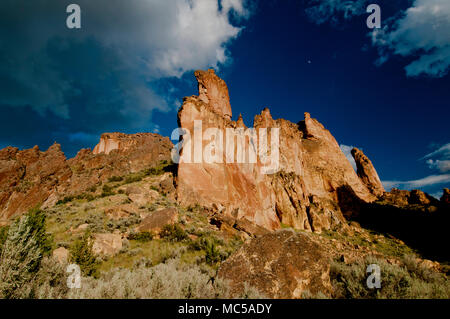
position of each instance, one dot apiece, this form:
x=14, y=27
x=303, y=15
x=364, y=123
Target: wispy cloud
x=111, y=62
x=437, y=160
x=418, y=183
x=443, y=151
x=420, y=33
x=321, y=11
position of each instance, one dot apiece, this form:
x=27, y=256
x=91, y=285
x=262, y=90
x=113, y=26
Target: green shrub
x=170, y=280
x=141, y=237
x=212, y=247
x=82, y=255
x=132, y=179
x=174, y=233
x=3, y=235
x=22, y=254
x=115, y=179
x=409, y=280
x=37, y=221
x=67, y=199
x=107, y=191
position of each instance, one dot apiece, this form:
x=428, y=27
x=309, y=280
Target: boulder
x=80, y=229
x=157, y=220
x=166, y=185
x=107, y=244
x=121, y=211
x=281, y=264
x=61, y=255
x=141, y=196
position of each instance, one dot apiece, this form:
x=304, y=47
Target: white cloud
x=422, y=31
x=443, y=151
x=423, y=182
x=347, y=150
x=439, y=159
x=443, y=166
x=148, y=40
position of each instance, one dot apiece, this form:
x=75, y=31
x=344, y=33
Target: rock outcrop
x=404, y=198
x=31, y=177
x=61, y=255
x=107, y=244
x=157, y=220
x=367, y=173
x=281, y=264
x=301, y=191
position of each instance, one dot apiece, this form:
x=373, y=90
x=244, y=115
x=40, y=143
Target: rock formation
x=28, y=177
x=282, y=264
x=156, y=221
x=107, y=244
x=31, y=177
x=404, y=198
x=302, y=192
x=367, y=172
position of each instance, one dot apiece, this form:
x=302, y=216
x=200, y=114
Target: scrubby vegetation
x=180, y=262
x=25, y=246
x=82, y=255
x=174, y=233
x=172, y=279
x=408, y=280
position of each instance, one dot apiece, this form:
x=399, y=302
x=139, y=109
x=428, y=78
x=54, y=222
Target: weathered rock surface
x=312, y=168
x=29, y=177
x=281, y=264
x=61, y=255
x=134, y=152
x=107, y=244
x=121, y=211
x=214, y=91
x=157, y=220
x=141, y=195
x=403, y=198
x=367, y=173
x=32, y=177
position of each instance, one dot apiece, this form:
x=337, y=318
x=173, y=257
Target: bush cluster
x=409, y=280
x=25, y=245
x=174, y=233
x=82, y=255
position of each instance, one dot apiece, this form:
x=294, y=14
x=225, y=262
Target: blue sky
x=127, y=69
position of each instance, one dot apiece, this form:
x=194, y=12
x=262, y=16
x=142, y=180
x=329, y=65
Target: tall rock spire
x=367, y=173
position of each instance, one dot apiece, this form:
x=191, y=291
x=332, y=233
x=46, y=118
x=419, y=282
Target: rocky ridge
x=304, y=193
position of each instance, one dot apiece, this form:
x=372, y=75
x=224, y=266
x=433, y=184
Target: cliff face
x=304, y=180
x=32, y=177
x=304, y=191
x=28, y=177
